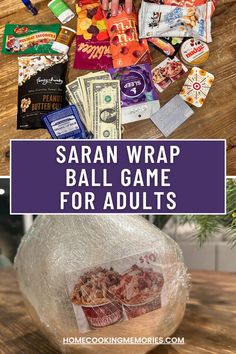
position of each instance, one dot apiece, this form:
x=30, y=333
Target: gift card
x=166, y=72
x=172, y=115
x=197, y=86
x=117, y=291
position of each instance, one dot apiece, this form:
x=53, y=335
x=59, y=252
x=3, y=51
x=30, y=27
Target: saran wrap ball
x=56, y=245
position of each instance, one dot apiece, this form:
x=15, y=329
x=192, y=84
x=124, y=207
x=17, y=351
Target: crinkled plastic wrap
x=56, y=245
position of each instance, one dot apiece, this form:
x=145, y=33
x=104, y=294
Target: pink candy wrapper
x=92, y=55
x=92, y=40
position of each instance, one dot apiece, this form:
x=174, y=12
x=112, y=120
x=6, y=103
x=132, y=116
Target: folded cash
x=84, y=95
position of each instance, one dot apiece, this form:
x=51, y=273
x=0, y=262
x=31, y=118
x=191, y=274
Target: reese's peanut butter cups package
x=41, y=88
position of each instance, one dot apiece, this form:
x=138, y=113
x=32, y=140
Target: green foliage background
x=207, y=225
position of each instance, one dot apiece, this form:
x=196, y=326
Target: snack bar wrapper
x=190, y=3
x=168, y=45
x=164, y=21
x=139, y=97
x=92, y=40
x=126, y=47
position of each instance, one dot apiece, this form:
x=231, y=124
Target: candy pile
x=125, y=87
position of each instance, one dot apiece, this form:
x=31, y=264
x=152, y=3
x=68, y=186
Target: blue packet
x=65, y=123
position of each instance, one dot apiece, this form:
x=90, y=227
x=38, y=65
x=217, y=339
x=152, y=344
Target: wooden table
x=209, y=325
x=215, y=120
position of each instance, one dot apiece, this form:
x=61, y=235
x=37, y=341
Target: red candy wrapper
x=190, y=3
x=126, y=47
x=92, y=40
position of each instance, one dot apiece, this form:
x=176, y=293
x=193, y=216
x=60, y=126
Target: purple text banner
x=119, y=176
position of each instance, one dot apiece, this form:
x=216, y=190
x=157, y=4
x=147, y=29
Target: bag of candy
x=92, y=40
x=41, y=88
x=139, y=97
x=164, y=21
x=29, y=39
x=126, y=47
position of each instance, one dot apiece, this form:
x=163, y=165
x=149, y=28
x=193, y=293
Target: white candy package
x=157, y=20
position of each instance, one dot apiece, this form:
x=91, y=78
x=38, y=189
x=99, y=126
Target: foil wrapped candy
x=58, y=245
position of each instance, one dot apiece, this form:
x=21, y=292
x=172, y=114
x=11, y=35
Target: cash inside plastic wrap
x=101, y=276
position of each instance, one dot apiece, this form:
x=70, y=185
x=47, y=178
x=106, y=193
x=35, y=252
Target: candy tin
x=196, y=87
x=65, y=124
x=194, y=52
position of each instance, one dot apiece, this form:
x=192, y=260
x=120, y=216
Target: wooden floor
x=217, y=118
x=209, y=324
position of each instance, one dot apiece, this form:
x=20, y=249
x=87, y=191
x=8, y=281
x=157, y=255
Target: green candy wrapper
x=29, y=39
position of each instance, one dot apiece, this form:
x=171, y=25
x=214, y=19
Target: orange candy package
x=126, y=47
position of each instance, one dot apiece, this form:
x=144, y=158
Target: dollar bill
x=106, y=109
x=86, y=80
x=85, y=85
x=75, y=96
x=69, y=97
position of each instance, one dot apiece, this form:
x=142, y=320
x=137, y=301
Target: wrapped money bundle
x=126, y=47
x=88, y=262
x=97, y=99
x=92, y=40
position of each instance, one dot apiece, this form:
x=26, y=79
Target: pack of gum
x=65, y=124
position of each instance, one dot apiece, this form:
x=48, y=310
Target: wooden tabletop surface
x=216, y=119
x=209, y=325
